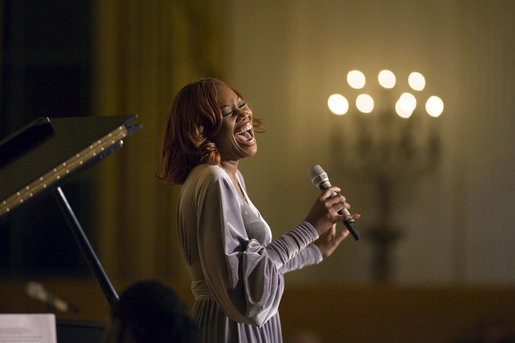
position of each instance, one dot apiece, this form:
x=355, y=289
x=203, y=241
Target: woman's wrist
x=308, y=224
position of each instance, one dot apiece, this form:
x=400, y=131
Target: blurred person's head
x=149, y=312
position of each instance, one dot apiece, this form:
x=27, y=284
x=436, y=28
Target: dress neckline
x=238, y=187
x=242, y=192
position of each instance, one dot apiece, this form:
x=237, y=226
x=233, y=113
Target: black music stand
x=40, y=157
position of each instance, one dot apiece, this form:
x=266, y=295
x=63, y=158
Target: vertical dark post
x=85, y=246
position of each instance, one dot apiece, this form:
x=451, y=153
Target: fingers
x=332, y=234
x=335, y=205
x=329, y=192
x=340, y=237
x=329, y=208
x=330, y=241
x=339, y=204
x=343, y=234
x=335, y=200
x=352, y=217
x=331, y=198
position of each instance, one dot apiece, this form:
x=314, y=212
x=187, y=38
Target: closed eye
x=227, y=113
x=226, y=110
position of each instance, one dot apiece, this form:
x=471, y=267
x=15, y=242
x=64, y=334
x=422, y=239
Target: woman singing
x=235, y=266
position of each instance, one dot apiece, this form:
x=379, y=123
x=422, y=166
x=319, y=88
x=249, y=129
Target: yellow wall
x=287, y=57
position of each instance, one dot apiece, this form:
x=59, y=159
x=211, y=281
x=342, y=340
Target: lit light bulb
x=338, y=104
x=416, y=81
x=386, y=78
x=356, y=79
x=405, y=105
x=434, y=106
x=365, y=103
x=409, y=99
x=402, y=110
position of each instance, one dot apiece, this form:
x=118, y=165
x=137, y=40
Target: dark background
x=46, y=71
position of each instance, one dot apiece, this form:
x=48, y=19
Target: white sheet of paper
x=27, y=328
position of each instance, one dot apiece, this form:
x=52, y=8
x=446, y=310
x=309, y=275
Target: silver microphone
x=319, y=178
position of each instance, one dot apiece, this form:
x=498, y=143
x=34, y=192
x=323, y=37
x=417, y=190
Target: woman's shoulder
x=207, y=173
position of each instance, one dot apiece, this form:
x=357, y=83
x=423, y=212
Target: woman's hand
x=329, y=240
x=324, y=212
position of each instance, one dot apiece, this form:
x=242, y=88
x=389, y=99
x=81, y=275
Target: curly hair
x=193, y=119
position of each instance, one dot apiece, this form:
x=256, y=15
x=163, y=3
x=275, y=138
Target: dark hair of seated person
x=150, y=312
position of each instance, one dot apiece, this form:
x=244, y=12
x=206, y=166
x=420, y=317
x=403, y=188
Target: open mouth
x=245, y=134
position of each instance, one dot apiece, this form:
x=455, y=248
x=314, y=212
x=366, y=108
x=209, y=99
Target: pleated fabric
x=217, y=327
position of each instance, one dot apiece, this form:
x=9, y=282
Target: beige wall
x=288, y=56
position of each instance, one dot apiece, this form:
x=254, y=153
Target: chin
x=250, y=151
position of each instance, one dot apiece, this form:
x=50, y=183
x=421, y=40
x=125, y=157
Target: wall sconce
x=404, y=106
x=388, y=145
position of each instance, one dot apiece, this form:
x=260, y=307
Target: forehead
x=226, y=95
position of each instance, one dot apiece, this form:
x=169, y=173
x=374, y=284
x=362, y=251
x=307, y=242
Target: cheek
x=224, y=136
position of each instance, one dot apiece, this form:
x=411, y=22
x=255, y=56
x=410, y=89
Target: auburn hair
x=194, y=118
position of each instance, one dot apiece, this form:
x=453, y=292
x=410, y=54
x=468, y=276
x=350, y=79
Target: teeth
x=247, y=127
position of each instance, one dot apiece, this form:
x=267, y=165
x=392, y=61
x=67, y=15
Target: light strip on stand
x=113, y=139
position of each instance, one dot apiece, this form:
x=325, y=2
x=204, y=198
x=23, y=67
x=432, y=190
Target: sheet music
x=27, y=328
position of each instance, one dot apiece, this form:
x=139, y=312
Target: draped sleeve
x=309, y=256
x=243, y=275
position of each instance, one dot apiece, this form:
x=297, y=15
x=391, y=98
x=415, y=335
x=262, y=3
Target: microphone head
x=317, y=175
x=35, y=289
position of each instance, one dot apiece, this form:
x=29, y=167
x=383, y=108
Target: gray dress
x=236, y=269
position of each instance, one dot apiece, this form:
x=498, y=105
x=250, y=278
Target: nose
x=243, y=113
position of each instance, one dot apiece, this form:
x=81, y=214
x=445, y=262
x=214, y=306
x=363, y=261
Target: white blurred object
x=36, y=291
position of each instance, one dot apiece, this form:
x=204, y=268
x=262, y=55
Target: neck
x=230, y=167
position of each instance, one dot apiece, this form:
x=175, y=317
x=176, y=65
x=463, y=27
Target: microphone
x=37, y=291
x=320, y=179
